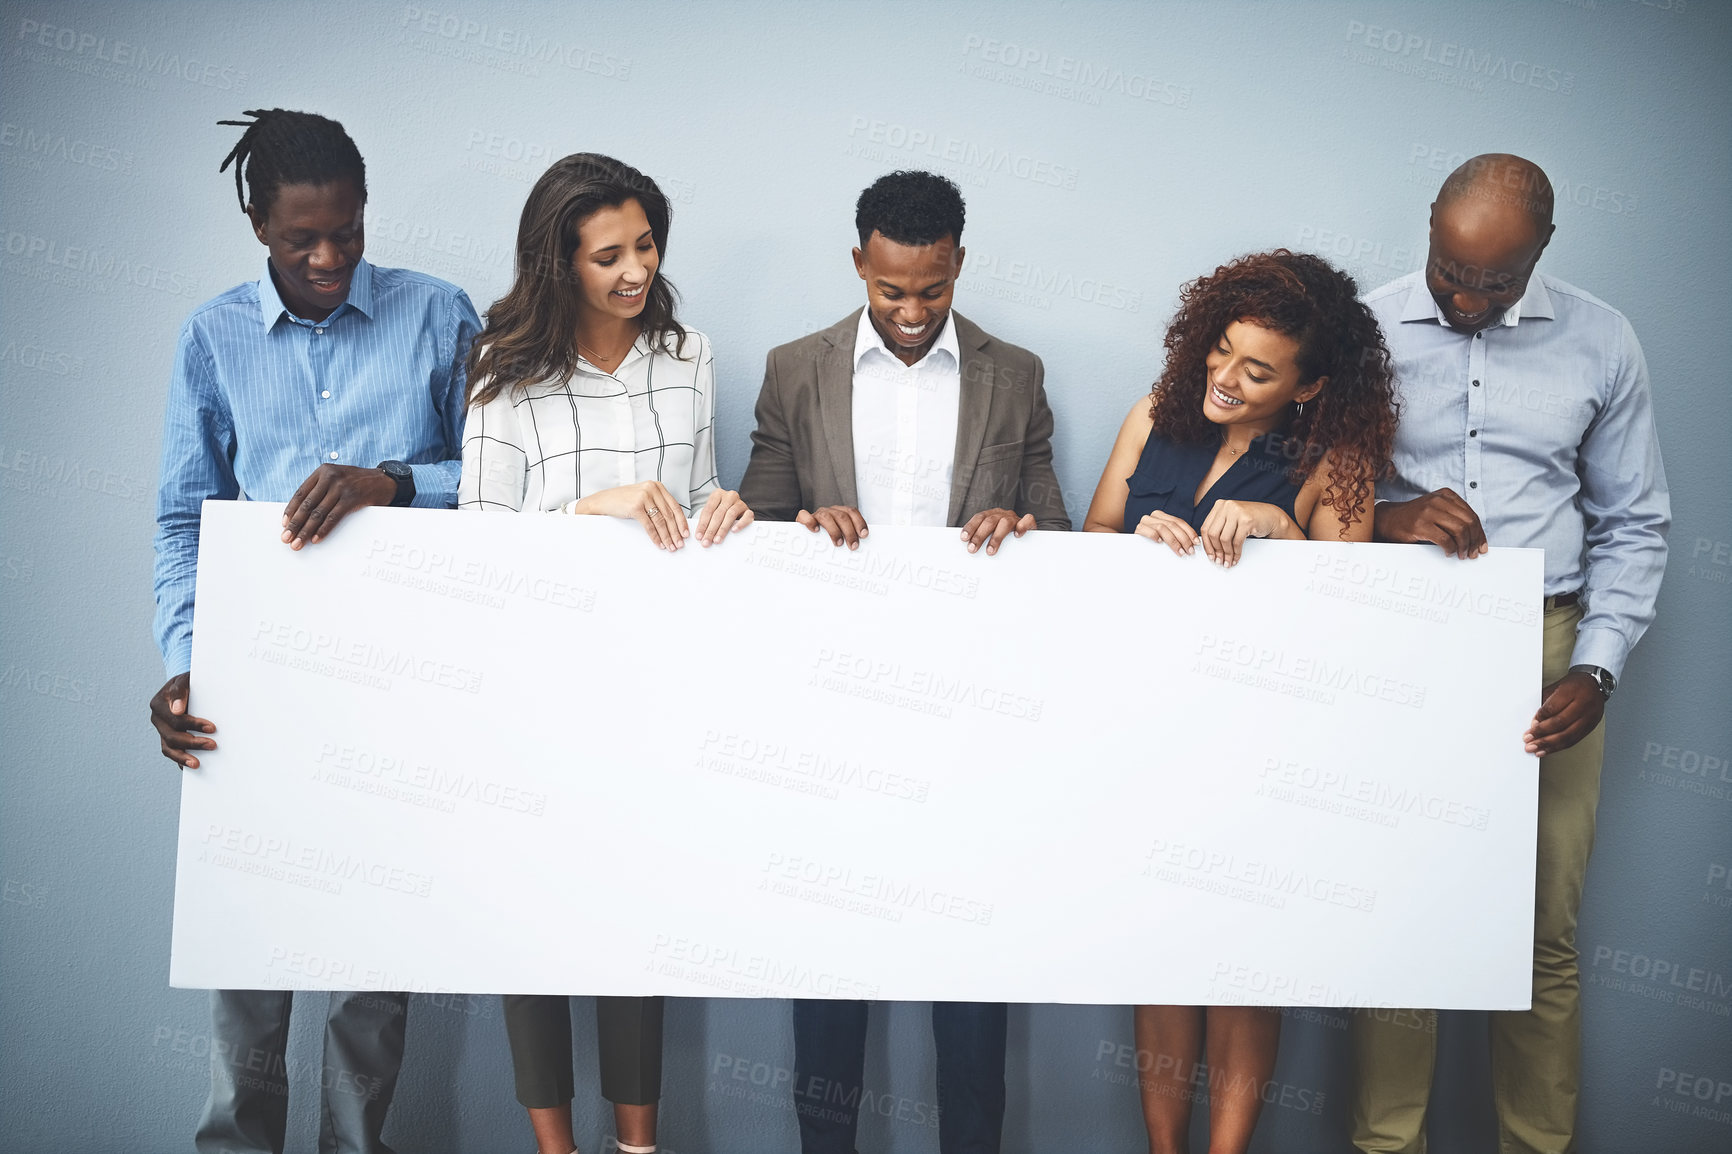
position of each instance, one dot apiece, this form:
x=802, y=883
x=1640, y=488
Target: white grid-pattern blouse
x=544, y=446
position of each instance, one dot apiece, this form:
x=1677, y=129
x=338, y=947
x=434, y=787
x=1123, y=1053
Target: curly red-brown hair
x=1352, y=421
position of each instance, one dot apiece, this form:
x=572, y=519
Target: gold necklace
x=592, y=356
x=598, y=360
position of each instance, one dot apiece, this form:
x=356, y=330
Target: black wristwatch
x=405, y=478
x=1603, y=679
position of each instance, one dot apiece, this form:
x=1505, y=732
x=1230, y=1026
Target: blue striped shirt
x=1544, y=424
x=260, y=398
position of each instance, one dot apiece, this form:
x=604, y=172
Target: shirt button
x=326, y=393
x=1470, y=484
x=1476, y=384
x=321, y=332
x=333, y=454
x=1470, y=432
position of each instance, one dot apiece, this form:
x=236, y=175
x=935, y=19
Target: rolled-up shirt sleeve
x=436, y=482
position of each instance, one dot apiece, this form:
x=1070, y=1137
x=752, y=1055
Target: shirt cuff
x=178, y=660
x=430, y=490
x=1603, y=646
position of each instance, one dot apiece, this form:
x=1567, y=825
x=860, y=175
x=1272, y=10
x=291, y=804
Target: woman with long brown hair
x=1274, y=417
x=589, y=397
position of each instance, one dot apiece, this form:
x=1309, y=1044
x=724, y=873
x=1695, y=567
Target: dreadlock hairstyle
x=1352, y=421
x=281, y=147
x=531, y=333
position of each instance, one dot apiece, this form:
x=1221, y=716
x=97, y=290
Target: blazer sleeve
x=771, y=486
x=1038, y=492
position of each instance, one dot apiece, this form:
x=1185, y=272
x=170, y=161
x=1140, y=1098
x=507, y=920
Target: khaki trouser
x=1536, y=1055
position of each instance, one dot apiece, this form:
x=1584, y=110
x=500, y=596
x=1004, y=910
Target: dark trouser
x=248, y=1110
x=628, y=1032
x=830, y=1058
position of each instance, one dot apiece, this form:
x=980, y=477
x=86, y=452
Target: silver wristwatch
x=1603, y=679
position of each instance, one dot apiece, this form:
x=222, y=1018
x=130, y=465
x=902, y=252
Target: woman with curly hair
x=1274, y=417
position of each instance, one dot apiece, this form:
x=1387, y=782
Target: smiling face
x=908, y=291
x=1252, y=375
x=1482, y=255
x=315, y=237
x=615, y=261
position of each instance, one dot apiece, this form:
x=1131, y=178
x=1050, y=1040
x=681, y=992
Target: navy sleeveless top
x=1167, y=477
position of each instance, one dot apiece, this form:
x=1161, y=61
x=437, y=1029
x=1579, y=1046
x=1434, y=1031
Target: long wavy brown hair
x=531, y=332
x=1301, y=296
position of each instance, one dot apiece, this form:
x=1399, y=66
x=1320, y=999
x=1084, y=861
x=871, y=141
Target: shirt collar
x=1535, y=302
x=866, y=339
x=360, y=298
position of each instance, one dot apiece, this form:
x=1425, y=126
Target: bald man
x=1525, y=422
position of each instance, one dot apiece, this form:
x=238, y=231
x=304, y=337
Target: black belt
x=1563, y=600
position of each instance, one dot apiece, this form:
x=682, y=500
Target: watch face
x=405, y=478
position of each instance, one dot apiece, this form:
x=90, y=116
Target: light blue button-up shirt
x=260, y=398
x=1544, y=424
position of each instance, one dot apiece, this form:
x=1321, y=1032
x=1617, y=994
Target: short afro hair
x=915, y=208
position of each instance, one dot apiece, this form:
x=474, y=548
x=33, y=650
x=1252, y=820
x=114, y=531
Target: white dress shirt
x=542, y=447
x=905, y=428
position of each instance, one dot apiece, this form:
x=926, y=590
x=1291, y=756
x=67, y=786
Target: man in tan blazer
x=810, y=454
x=904, y=413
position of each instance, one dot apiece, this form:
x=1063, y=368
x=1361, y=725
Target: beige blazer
x=803, y=447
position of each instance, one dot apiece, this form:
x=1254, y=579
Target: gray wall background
x=1220, y=129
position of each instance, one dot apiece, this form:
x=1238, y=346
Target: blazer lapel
x=971, y=418
x=836, y=402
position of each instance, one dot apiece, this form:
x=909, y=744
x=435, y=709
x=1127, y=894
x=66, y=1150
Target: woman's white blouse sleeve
x=703, y=427
x=495, y=466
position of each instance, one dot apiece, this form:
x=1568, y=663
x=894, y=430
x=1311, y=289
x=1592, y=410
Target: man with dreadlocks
x=347, y=381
